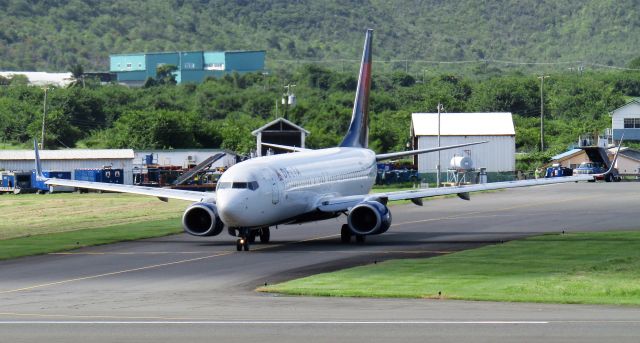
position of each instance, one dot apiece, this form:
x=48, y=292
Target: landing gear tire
x=239, y=245
x=360, y=238
x=265, y=235
x=243, y=241
x=345, y=234
x=246, y=245
x=242, y=244
x=252, y=237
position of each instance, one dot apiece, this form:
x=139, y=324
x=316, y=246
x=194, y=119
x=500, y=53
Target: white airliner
x=305, y=185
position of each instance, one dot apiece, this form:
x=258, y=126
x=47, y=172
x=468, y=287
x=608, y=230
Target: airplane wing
x=342, y=204
x=162, y=193
x=339, y=204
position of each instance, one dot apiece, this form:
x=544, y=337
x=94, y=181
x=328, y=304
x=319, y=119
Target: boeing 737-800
x=305, y=185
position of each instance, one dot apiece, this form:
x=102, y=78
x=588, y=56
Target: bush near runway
x=34, y=224
x=588, y=268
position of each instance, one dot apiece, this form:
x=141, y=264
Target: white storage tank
x=461, y=163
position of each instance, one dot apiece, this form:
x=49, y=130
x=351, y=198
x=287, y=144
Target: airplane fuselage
x=283, y=188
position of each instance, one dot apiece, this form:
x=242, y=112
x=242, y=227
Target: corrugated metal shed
x=70, y=159
x=497, y=156
x=67, y=154
x=463, y=124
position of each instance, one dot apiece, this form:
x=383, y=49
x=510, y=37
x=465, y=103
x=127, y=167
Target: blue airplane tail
x=358, y=134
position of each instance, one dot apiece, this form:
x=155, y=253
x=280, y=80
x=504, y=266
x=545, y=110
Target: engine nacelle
x=201, y=219
x=369, y=218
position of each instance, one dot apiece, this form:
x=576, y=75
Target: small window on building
x=632, y=123
x=139, y=65
x=214, y=66
x=128, y=65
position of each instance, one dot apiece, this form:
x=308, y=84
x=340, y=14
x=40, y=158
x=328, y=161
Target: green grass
x=32, y=214
x=63, y=241
x=589, y=268
x=32, y=224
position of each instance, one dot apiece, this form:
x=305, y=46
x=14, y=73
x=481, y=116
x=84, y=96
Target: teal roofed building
x=193, y=66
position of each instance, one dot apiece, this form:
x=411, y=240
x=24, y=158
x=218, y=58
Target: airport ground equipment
x=15, y=182
x=106, y=175
x=556, y=170
x=392, y=172
x=199, y=168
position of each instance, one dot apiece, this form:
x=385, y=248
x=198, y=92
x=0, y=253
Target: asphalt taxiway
x=185, y=288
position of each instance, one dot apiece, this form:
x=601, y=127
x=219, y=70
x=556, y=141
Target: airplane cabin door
x=275, y=193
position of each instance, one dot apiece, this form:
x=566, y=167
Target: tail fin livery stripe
x=358, y=134
x=37, y=158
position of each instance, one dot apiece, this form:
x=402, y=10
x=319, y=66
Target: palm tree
x=77, y=73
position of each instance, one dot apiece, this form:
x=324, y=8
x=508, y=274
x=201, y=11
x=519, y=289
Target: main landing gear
x=345, y=235
x=247, y=237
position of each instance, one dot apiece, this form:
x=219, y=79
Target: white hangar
x=70, y=159
x=497, y=156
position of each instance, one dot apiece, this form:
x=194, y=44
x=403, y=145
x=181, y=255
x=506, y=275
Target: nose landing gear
x=247, y=237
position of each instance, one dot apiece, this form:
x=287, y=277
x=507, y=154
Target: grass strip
x=64, y=241
x=586, y=268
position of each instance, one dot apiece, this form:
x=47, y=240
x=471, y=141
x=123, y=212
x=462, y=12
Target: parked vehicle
x=597, y=168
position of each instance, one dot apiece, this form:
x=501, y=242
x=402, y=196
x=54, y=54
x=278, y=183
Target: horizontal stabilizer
x=285, y=147
x=381, y=157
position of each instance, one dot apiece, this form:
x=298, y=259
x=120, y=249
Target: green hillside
x=52, y=35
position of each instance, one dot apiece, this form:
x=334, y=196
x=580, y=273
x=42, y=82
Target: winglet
x=39, y=175
x=358, y=133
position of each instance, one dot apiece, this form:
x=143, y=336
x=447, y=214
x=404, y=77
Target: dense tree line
x=223, y=112
x=52, y=35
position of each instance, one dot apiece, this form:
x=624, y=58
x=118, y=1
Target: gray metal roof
x=463, y=124
x=68, y=154
x=630, y=102
x=263, y=127
x=566, y=154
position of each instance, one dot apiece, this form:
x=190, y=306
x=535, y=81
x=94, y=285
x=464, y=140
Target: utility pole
x=440, y=109
x=542, y=77
x=288, y=99
x=44, y=116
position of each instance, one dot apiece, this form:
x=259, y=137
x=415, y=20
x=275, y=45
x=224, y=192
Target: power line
x=480, y=61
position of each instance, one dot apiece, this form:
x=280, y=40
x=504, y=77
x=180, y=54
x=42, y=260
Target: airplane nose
x=233, y=212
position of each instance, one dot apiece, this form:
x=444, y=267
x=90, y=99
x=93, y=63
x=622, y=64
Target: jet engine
x=369, y=218
x=201, y=219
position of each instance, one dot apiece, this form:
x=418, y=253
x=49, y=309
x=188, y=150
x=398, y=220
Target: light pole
x=542, y=77
x=440, y=109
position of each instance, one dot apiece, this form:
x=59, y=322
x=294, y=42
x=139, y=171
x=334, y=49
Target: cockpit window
x=240, y=185
x=224, y=185
x=253, y=185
